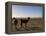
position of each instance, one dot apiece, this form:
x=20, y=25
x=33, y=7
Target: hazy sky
x=26, y=11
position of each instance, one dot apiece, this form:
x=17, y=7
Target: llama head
x=14, y=18
x=28, y=18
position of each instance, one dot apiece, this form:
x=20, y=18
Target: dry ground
x=34, y=24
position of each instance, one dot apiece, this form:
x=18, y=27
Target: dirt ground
x=34, y=24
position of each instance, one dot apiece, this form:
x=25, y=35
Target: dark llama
x=24, y=21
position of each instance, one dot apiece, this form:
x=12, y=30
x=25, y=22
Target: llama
x=14, y=23
x=24, y=21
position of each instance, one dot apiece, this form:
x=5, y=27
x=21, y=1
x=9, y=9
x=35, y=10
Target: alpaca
x=24, y=21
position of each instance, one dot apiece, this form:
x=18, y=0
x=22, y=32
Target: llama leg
x=21, y=24
x=25, y=25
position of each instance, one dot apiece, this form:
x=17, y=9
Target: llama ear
x=28, y=17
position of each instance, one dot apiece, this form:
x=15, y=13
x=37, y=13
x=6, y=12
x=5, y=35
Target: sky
x=26, y=11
